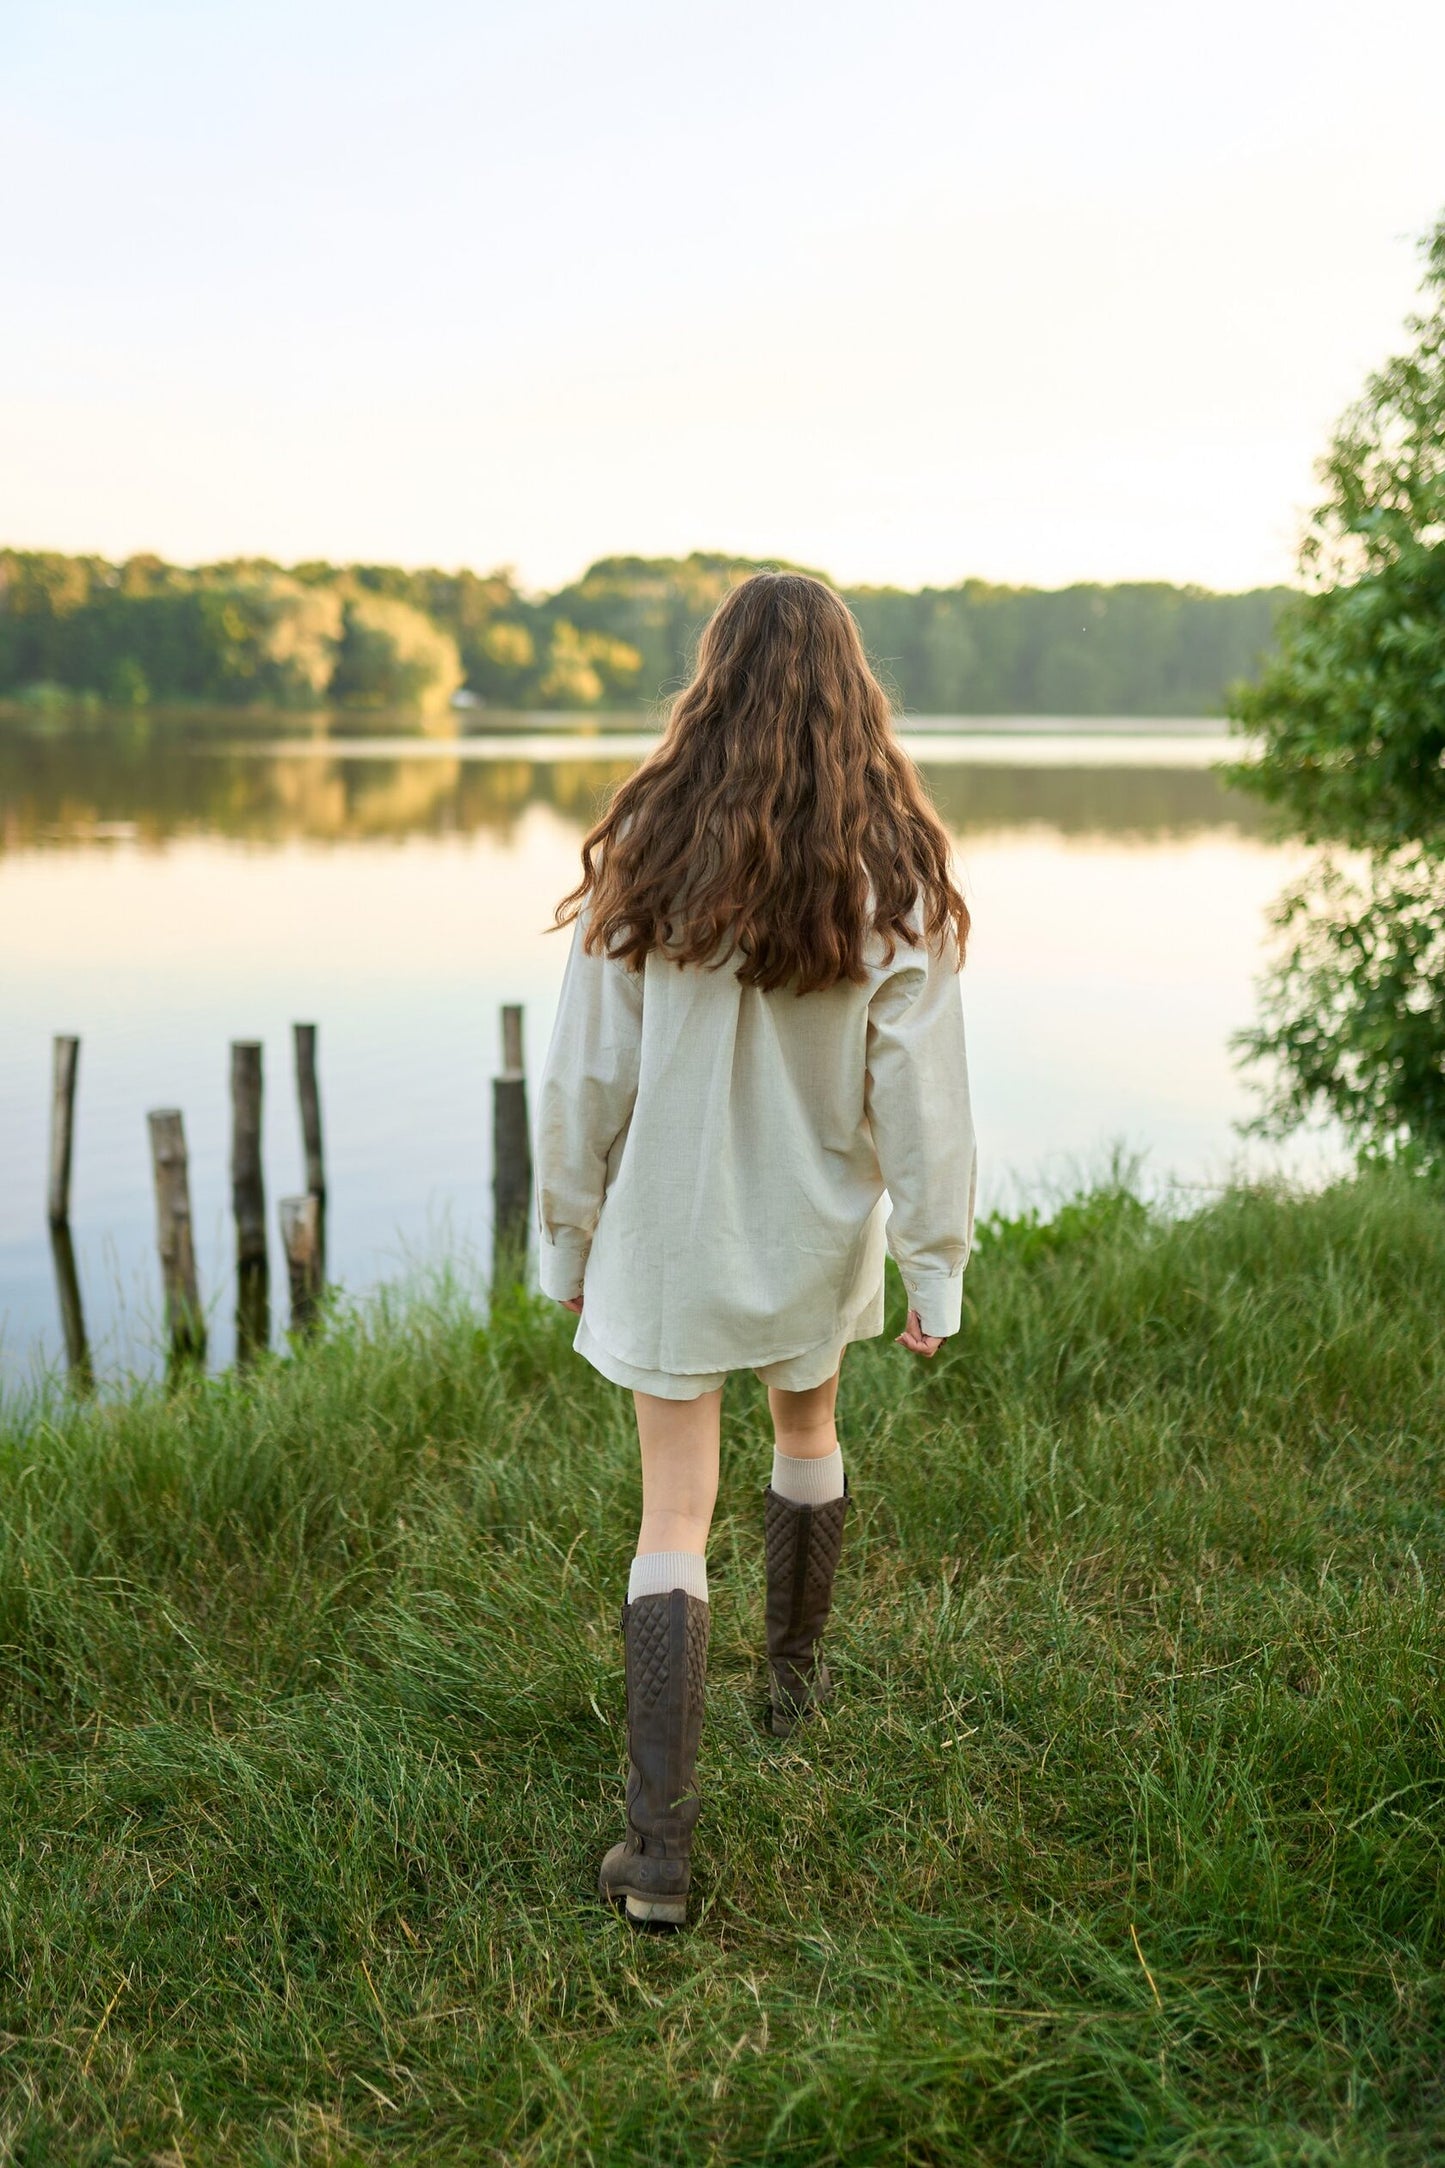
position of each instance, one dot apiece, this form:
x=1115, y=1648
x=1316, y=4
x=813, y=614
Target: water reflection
x=105, y=792
x=151, y=794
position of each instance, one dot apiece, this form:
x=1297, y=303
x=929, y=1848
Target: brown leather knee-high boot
x=802, y=1543
x=665, y=1639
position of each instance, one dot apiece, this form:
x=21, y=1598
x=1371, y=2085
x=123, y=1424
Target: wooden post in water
x=72, y=1317
x=511, y=1155
x=174, y=1237
x=62, y=1126
x=308, y=1091
x=248, y=1201
x=301, y=1235
x=65, y=1062
x=309, y=1094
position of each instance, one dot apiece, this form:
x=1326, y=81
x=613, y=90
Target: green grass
x=1123, y=1844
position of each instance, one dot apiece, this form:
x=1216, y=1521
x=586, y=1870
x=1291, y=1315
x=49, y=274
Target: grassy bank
x=1123, y=1844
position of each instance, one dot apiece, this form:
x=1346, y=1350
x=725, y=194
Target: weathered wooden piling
x=301, y=1237
x=65, y=1063
x=248, y=1192
x=308, y=1091
x=511, y=1154
x=175, y=1239
x=62, y=1126
x=253, y=1313
x=248, y=1201
x=72, y=1317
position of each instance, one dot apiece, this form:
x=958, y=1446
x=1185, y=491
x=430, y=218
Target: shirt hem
x=860, y=1327
x=690, y=1384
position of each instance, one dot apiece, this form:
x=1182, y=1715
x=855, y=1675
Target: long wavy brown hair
x=779, y=822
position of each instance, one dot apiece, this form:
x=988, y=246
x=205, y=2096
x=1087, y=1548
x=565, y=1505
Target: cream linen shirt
x=712, y=1160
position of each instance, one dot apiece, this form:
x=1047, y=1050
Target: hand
x=916, y=1340
x=574, y=1304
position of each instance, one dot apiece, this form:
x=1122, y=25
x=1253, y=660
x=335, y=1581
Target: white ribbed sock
x=655, y=1572
x=808, y=1482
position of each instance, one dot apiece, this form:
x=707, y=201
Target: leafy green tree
x=43, y=599
x=1349, y=718
x=501, y=661
x=1349, y=725
x=584, y=668
x=271, y=641
x=242, y=632
x=656, y=606
x=391, y=656
x=1353, y=1018
x=129, y=686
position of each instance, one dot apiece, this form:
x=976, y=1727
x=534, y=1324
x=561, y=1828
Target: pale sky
x=910, y=292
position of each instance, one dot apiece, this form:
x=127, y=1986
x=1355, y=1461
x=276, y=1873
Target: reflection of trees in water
x=65, y=789
x=1140, y=802
x=54, y=789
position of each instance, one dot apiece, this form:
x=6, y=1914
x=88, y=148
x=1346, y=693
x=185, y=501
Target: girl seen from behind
x=760, y=1033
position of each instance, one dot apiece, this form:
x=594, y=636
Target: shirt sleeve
x=922, y=1122
x=589, y=1083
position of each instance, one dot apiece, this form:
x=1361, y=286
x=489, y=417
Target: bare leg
x=804, y=1425
x=679, y=1441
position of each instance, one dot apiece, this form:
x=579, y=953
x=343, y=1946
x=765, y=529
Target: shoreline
x=458, y=726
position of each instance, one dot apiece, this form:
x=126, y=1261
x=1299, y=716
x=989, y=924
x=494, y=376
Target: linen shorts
x=795, y=1374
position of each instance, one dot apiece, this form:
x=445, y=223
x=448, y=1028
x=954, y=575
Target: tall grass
x=1123, y=1843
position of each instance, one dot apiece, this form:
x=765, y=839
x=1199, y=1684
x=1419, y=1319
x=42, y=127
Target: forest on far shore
x=255, y=634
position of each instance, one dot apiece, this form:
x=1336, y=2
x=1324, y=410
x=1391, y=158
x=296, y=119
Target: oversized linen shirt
x=712, y=1160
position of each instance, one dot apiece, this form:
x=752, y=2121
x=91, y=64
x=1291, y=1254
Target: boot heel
x=657, y=1911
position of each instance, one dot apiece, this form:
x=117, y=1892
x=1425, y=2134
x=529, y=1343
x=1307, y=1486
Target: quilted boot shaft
x=665, y=1642
x=665, y=1638
x=802, y=1543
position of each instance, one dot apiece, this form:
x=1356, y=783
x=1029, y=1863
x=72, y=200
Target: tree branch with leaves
x=1348, y=730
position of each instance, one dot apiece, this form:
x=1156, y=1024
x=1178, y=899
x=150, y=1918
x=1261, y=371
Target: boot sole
x=650, y=1914
x=656, y=1912
x=645, y=1912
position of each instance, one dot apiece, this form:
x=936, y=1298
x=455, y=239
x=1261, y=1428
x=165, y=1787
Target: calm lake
x=163, y=898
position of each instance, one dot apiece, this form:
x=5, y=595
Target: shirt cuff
x=561, y=1262
x=939, y=1303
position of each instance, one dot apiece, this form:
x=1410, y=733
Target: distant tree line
x=254, y=633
